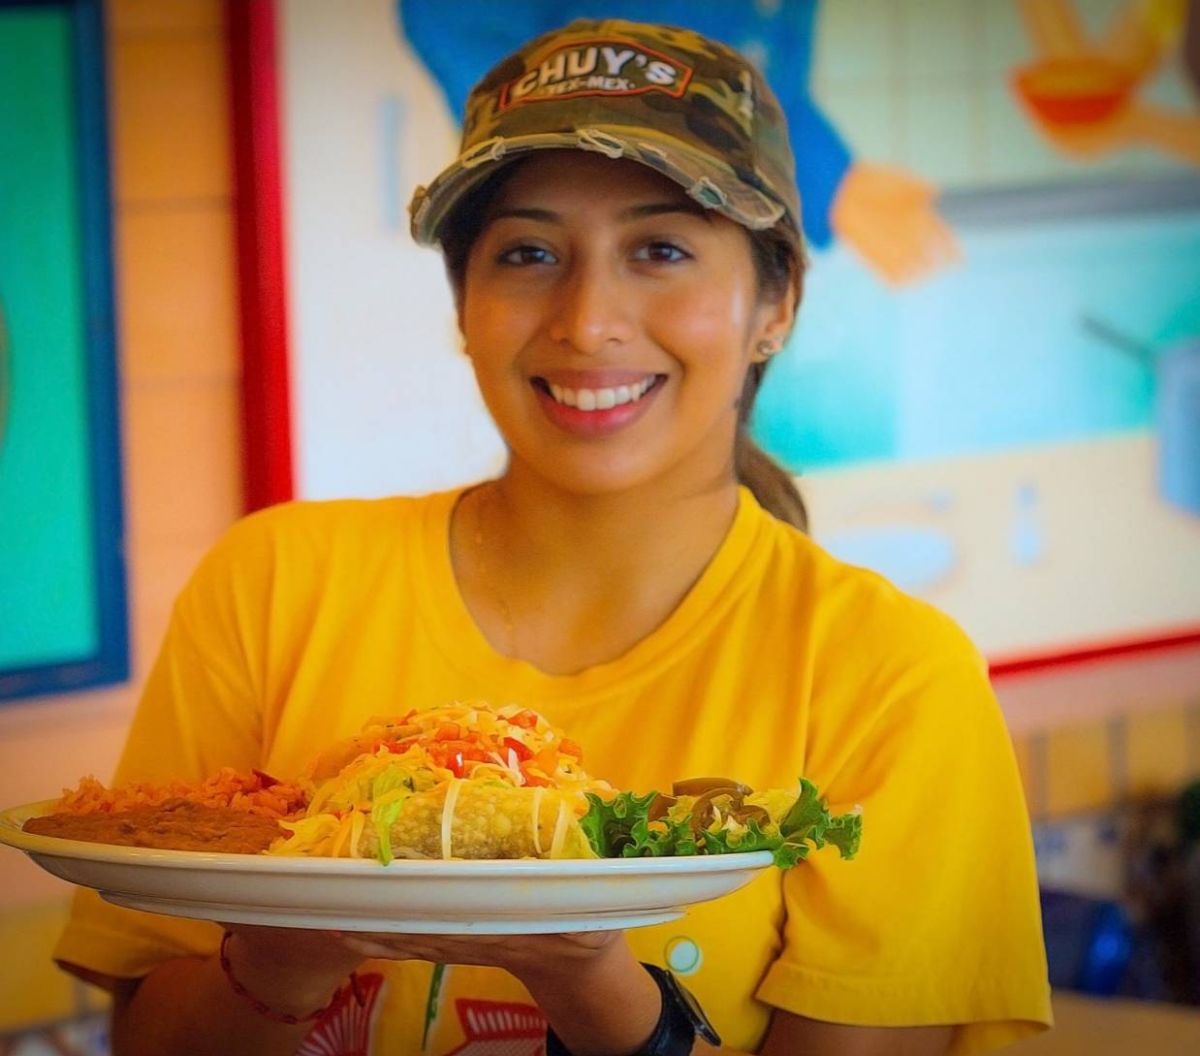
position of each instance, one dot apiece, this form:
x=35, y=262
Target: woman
x=621, y=234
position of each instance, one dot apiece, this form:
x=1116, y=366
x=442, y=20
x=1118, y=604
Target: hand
x=290, y=969
x=524, y=956
x=1115, y=63
x=887, y=216
x=589, y=985
x=1137, y=124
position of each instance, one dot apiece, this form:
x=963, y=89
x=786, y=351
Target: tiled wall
x=1093, y=764
x=925, y=84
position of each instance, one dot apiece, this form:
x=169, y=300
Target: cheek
x=492, y=330
x=708, y=326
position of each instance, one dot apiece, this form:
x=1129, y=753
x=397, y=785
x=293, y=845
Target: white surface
x=440, y=897
x=1112, y=563
x=383, y=400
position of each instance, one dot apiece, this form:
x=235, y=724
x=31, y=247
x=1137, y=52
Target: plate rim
x=12, y=835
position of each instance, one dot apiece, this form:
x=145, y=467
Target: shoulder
x=847, y=609
x=878, y=660
x=296, y=547
x=318, y=529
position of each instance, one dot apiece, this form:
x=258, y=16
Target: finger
x=388, y=951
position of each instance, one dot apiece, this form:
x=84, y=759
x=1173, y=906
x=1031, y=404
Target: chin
x=597, y=474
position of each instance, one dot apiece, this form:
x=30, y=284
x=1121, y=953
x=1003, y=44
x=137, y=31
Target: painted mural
x=991, y=395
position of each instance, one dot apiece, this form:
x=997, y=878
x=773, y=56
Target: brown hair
x=780, y=271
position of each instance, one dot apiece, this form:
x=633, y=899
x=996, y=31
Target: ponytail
x=773, y=487
x=779, y=264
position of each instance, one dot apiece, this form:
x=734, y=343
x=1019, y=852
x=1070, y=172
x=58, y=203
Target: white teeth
x=600, y=399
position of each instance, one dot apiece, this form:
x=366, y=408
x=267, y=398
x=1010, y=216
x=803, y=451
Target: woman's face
x=611, y=321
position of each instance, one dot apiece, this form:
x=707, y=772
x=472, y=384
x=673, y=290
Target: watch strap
x=680, y=1021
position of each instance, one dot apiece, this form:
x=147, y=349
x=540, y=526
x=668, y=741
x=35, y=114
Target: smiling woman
x=625, y=251
x=616, y=280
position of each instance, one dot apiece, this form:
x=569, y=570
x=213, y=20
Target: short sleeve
x=937, y=919
x=200, y=710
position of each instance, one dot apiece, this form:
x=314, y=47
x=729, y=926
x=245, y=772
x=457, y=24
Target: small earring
x=767, y=349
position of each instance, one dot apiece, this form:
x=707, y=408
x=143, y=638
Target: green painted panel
x=47, y=589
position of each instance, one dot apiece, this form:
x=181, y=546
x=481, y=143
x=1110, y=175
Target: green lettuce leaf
x=620, y=828
x=609, y=825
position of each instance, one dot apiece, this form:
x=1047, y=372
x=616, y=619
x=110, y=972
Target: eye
x=660, y=251
x=526, y=254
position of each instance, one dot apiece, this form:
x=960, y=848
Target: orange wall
x=177, y=345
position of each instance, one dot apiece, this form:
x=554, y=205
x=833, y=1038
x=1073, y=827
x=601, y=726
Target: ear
x=774, y=324
x=773, y=330
x=460, y=332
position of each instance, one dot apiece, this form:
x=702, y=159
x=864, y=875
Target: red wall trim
x=262, y=288
x=1098, y=651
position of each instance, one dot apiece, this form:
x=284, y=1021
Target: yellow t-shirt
x=308, y=618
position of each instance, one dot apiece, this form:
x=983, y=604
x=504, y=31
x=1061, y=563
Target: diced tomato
x=450, y=731
x=534, y=776
x=527, y=720
x=569, y=747
x=521, y=751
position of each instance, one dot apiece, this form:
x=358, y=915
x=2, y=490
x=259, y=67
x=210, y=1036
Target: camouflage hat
x=687, y=106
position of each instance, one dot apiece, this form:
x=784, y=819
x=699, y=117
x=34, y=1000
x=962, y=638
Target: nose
x=593, y=310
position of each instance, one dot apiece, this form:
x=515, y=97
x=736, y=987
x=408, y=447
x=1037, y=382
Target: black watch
x=680, y=1022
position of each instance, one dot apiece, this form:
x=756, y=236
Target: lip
x=596, y=423
x=595, y=379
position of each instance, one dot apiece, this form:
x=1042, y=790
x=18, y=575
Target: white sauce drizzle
x=560, y=829
x=538, y=794
x=452, y=790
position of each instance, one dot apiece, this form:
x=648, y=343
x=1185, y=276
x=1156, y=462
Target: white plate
x=525, y=895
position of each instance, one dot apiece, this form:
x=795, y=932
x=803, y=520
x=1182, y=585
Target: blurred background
x=209, y=302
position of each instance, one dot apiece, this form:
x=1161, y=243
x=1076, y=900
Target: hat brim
x=704, y=177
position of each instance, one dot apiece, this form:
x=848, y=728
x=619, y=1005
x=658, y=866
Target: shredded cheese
x=560, y=830
x=358, y=821
x=538, y=793
x=452, y=790
x=339, y=839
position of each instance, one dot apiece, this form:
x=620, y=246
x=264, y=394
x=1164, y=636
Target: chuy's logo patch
x=602, y=67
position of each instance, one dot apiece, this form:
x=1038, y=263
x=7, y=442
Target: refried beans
x=176, y=825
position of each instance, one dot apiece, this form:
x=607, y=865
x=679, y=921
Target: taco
x=463, y=781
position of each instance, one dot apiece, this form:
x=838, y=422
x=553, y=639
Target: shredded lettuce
x=620, y=827
x=389, y=790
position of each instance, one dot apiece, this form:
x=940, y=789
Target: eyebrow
x=634, y=212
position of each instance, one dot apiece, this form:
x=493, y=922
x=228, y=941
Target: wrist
x=278, y=986
x=680, y=1022
x=604, y=1007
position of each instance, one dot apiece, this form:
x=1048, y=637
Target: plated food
x=467, y=781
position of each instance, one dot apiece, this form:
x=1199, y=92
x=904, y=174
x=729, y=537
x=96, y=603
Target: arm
x=1053, y=27
x=186, y=1005
x=601, y=1002
x=790, y=1034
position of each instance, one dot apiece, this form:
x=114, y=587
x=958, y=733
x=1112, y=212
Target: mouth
x=599, y=399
